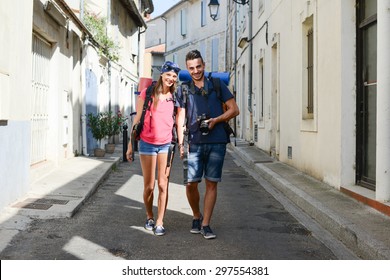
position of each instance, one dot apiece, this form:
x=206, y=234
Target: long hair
x=159, y=85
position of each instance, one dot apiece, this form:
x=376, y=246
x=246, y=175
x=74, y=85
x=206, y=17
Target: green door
x=366, y=90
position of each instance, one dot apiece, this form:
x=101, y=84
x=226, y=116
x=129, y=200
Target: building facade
x=312, y=91
x=155, y=47
x=52, y=72
x=188, y=26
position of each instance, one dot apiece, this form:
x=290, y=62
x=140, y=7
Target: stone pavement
x=61, y=193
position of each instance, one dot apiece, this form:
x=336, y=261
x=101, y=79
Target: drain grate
x=51, y=201
x=265, y=160
x=37, y=206
x=40, y=203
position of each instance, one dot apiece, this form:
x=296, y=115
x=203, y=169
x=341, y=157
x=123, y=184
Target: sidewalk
x=61, y=193
x=361, y=228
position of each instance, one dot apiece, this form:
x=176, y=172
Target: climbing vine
x=97, y=26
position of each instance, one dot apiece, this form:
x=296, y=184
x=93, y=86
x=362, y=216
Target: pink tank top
x=158, y=121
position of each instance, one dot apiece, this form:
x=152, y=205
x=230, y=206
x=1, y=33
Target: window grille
x=41, y=50
x=310, y=72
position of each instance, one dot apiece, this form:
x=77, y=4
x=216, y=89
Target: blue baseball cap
x=170, y=66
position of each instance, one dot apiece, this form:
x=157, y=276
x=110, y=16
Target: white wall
x=324, y=146
x=15, y=87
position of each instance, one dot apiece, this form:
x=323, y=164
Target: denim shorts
x=151, y=149
x=207, y=160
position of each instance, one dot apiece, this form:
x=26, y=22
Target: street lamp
x=214, y=8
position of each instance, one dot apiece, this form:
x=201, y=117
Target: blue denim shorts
x=207, y=160
x=151, y=149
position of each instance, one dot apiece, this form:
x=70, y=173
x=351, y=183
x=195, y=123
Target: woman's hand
x=181, y=150
x=129, y=154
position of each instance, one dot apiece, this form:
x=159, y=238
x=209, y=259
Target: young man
x=201, y=118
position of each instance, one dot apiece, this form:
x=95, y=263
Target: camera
x=203, y=125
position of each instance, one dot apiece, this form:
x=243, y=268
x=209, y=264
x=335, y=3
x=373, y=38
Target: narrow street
x=249, y=222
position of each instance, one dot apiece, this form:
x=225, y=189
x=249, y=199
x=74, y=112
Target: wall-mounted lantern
x=242, y=2
x=214, y=9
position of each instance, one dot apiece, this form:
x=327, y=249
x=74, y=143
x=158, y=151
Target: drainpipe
x=226, y=35
x=139, y=50
x=109, y=62
x=383, y=103
x=250, y=70
x=165, y=35
x=81, y=10
x=235, y=68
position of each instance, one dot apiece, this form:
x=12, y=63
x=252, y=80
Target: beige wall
x=324, y=146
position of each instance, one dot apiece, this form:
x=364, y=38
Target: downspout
x=235, y=68
x=109, y=61
x=250, y=71
x=81, y=10
x=165, y=35
x=226, y=35
x=139, y=50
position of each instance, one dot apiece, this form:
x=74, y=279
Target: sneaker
x=160, y=230
x=196, y=225
x=207, y=232
x=149, y=224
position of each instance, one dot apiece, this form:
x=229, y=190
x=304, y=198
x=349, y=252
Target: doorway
x=366, y=93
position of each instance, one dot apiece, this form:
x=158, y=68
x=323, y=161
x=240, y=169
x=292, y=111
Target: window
x=308, y=69
x=261, y=91
x=183, y=22
x=203, y=13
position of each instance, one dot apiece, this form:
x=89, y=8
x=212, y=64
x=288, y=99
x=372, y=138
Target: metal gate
x=41, y=50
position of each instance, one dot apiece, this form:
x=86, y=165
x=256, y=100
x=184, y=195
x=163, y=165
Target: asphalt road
x=249, y=222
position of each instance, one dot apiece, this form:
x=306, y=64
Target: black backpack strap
x=147, y=102
x=217, y=87
x=148, y=98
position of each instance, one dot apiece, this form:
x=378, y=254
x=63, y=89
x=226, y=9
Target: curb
x=353, y=236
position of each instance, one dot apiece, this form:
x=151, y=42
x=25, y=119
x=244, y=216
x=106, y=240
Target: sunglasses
x=167, y=68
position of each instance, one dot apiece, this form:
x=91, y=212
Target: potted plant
x=98, y=128
x=113, y=123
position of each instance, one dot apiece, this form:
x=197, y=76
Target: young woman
x=154, y=143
